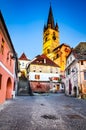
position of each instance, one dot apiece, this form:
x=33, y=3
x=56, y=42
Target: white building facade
x=43, y=71
x=75, y=75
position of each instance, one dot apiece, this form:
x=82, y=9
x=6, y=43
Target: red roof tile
x=43, y=60
x=23, y=57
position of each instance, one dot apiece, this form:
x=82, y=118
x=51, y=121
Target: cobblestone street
x=43, y=112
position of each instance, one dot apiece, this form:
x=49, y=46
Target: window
x=46, y=39
x=85, y=75
x=57, y=56
x=54, y=37
x=2, y=46
x=34, y=68
x=0, y=80
x=68, y=71
x=48, y=51
x=81, y=62
x=37, y=76
x=68, y=62
x=51, y=70
x=22, y=63
x=70, y=58
x=56, y=70
x=40, y=69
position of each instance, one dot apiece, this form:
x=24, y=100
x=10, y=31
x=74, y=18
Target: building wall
x=76, y=69
x=82, y=79
x=44, y=69
x=7, y=70
x=60, y=56
x=6, y=85
x=22, y=66
x=41, y=77
x=71, y=76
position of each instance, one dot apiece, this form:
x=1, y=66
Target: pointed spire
x=56, y=27
x=44, y=28
x=50, y=21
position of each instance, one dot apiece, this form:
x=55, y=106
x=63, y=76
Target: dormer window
x=37, y=61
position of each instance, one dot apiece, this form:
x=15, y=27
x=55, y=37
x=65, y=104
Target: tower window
x=48, y=51
x=46, y=39
x=57, y=56
x=54, y=37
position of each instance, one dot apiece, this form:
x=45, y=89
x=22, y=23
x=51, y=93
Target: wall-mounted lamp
x=10, y=55
x=74, y=70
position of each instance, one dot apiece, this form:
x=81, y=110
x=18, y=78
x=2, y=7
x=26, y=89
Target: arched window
x=48, y=51
x=57, y=56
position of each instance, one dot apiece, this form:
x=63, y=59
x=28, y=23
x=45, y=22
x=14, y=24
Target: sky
x=25, y=20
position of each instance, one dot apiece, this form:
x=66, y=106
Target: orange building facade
x=7, y=63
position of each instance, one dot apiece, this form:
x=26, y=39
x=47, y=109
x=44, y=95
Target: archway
x=9, y=89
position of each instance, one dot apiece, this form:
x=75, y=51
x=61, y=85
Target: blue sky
x=25, y=20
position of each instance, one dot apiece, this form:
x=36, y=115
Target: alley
x=43, y=112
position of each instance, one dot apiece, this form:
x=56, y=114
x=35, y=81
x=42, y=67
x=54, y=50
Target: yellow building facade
x=51, y=43
x=23, y=61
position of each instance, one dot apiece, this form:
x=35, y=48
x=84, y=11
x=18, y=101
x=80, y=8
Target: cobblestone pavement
x=43, y=112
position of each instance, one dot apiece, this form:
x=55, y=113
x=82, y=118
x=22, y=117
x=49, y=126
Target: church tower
x=51, y=43
x=50, y=35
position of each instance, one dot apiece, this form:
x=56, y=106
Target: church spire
x=50, y=21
